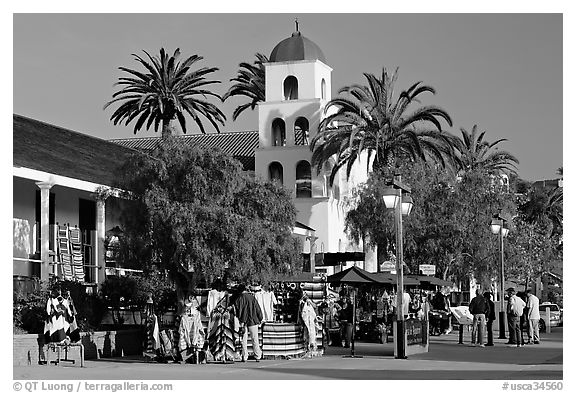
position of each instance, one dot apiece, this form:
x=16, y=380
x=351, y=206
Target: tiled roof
x=240, y=145
x=48, y=148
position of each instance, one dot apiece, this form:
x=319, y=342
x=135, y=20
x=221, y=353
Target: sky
x=502, y=72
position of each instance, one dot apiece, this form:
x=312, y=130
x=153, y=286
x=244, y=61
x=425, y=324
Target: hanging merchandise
x=56, y=325
x=73, y=331
x=267, y=301
x=190, y=331
x=308, y=317
x=223, y=334
x=152, y=330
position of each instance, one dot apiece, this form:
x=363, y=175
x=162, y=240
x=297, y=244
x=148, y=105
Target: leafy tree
x=448, y=226
x=197, y=215
x=371, y=119
x=477, y=154
x=531, y=252
x=250, y=82
x=164, y=92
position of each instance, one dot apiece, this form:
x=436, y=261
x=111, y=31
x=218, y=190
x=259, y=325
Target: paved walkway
x=445, y=360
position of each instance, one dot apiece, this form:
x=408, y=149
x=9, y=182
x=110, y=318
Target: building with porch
x=56, y=176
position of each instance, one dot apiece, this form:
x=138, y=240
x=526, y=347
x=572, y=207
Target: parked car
x=555, y=315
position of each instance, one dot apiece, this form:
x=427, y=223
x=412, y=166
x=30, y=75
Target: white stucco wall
x=288, y=111
x=308, y=73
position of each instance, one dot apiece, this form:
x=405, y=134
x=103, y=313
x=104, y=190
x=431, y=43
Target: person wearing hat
x=514, y=310
x=490, y=317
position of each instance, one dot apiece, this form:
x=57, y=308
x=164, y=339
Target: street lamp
x=402, y=205
x=499, y=227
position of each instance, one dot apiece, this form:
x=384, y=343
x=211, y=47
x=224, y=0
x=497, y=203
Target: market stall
x=353, y=277
x=286, y=335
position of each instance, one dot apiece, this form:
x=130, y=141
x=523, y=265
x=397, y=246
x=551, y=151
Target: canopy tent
x=389, y=278
x=353, y=275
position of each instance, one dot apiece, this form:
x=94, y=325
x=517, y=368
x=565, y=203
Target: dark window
x=276, y=172
x=303, y=180
x=278, y=133
x=301, y=132
x=291, y=88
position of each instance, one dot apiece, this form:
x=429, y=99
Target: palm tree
x=164, y=93
x=545, y=205
x=250, y=82
x=477, y=154
x=369, y=119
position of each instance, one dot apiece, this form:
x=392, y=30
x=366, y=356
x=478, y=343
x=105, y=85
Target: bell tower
x=298, y=85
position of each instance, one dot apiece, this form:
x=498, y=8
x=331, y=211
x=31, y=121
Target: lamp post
x=402, y=205
x=500, y=228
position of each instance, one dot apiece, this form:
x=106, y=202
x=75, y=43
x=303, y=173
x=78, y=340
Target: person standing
x=490, y=317
x=441, y=304
x=250, y=316
x=406, y=301
x=346, y=319
x=533, y=317
x=478, y=308
x=514, y=309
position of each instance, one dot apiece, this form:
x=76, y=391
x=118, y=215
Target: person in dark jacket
x=478, y=308
x=346, y=320
x=441, y=304
x=250, y=316
x=490, y=317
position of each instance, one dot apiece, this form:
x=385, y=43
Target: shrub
x=29, y=311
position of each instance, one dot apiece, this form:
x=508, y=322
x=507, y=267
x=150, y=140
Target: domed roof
x=295, y=48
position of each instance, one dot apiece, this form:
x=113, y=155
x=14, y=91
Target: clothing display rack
x=58, y=348
x=70, y=253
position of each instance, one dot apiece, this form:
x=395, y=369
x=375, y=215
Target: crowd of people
x=521, y=310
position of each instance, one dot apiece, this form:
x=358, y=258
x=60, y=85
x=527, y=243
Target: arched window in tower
x=278, y=133
x=303, y=180
x=276, y=172
x=291, y=88
x=301, y=132
x=323, y=89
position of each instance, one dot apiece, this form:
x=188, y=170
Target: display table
x=286, y=339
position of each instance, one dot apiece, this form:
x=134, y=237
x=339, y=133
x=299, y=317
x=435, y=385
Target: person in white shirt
x=514, y=309
x=533, y=317
x=406, y=299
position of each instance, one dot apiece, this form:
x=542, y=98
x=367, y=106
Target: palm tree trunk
x=169, y=128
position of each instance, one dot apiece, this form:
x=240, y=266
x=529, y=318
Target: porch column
x=45, y=187
x=99, y=252
x=312, y=240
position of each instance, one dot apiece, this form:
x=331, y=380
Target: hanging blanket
x=152, y=336
x=56, y=324
x=222, y=336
